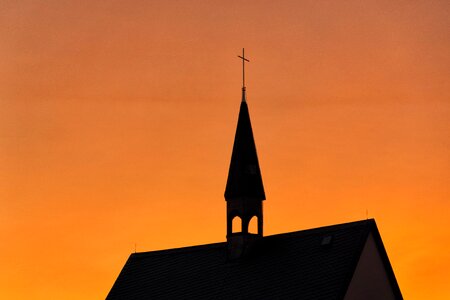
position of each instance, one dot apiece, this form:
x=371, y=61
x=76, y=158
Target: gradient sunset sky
x=117, y=121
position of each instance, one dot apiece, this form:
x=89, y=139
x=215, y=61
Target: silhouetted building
x=345, y=261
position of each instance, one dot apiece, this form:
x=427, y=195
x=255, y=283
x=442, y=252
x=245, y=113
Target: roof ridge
x=369, y=222
x=219, y=244
x=179, y=249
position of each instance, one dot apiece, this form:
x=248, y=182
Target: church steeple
x=244, y=191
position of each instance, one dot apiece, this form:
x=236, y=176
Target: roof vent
x=326, y=241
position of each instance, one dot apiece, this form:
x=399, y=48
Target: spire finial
x=243, y=73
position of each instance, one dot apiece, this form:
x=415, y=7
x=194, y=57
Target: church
x=342, y=262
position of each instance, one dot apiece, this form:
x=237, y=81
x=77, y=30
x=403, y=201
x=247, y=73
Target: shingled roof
x=309, y=264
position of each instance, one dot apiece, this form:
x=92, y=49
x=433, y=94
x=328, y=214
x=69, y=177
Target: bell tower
x=244, y=192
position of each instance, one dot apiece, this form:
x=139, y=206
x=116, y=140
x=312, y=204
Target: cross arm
x=243, y=58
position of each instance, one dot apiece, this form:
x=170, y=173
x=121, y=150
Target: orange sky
x=117, y=121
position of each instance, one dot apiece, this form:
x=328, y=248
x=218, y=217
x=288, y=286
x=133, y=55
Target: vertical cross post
x=243, y=67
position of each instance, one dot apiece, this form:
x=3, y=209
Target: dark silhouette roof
x=310, y=264
x=244, y=175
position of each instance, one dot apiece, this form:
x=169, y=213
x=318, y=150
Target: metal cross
x=243, y=67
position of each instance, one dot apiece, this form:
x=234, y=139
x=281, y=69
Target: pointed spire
x=244, y=176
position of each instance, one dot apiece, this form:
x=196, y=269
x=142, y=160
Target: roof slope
x=244, y=175
x=285, y=266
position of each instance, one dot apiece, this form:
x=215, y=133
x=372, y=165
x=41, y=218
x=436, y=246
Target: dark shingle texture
x=285, y=266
